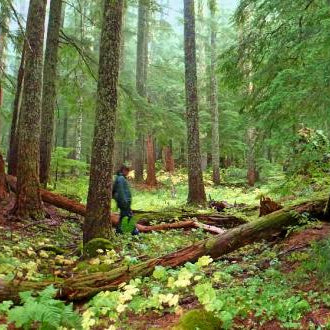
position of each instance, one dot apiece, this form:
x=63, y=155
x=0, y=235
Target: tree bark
x=4, y=18
x=85, y=286
x=141, y=84
x=196, y=194
x=78, y=135
x=251, y=162
x=28, y=200
x=65, y=129
x=49, y=89
x=168, y=159
x=13, y=143
x=214, y=101
x=151, y=169
x=99, y=194
x=3, y=183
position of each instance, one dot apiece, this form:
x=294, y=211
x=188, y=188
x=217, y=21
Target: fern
x=42, y=311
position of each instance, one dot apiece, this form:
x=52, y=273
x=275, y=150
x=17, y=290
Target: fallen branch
x=83, y=287
x=211, y=229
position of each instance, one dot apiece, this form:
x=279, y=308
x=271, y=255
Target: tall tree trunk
x=28, y=199
x=214, y=100
x=99, y=194
x=151, y=170
x=79, y=122
x=65, y=129
x=251, y=162
x=122, y=42
x=196, y=193
x=49, y=89
x=4, y=17
x=168, y=159
x=141, y=84
x=247, y=68
x=201, y=44
x=13, y=142
x=3, y=183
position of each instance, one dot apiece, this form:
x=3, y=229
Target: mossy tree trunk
x=49, y=89
x=97, y=222
x=4, y=18
x=85, y=286
x=141, y=84
x=196, y=194
x=28, y=200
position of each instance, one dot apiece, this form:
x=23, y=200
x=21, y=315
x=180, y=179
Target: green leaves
x=43, y=310
x=207, y=296
x=160, y=273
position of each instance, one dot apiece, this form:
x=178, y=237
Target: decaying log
x=85, y=286
x=219, y=205
x=3, y=184
x=268, y=206
x=78, y=208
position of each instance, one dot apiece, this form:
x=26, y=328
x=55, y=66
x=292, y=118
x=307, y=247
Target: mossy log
x=82, y=287
x=78, y=208
x=217, y=219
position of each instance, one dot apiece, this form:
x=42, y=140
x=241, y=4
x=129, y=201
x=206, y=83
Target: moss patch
x=88, y=268
x=198, y=319
x=90, y=249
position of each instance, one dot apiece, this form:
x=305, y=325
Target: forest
x=164, y=164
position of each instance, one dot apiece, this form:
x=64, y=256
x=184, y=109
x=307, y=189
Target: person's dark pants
x=125, y=213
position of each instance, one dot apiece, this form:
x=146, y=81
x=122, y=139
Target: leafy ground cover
x=268, y=285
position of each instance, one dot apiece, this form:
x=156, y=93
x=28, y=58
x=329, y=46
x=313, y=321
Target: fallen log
x=225, y=220
x=78, y=208
x=82, y=287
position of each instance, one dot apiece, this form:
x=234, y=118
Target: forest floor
x=284, y=283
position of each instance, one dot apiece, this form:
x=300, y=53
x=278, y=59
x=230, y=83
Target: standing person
x=121, y=193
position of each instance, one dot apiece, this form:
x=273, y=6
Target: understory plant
x=42, y=312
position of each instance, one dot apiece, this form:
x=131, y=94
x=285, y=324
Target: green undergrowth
x=41, y=312
x=251, y=285
x=172, y=190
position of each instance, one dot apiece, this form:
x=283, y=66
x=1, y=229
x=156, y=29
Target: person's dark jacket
x=121, y=192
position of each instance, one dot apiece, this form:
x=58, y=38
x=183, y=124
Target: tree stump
x=268, y=206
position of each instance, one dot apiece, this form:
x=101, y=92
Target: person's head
x=124, y=170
